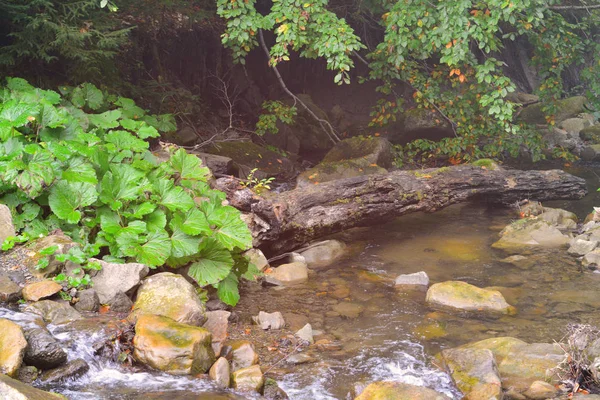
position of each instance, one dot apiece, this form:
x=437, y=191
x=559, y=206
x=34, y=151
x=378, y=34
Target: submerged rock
x=288, y=274
x=172, y=347
x=27, y=374
x=461, y=296
x=114, y=278
x=272, y=391
x=269, y=320
x=9, y=291
x=540, y=390
x=250, y=379
x=348, y=310
x=43, y=351
x=220, y=373
x=12, y=347
x=323, y=254
x=399, y=391
x=416, y=279
x=525, y=234
x=15, y=390
x=72, y=369
x=40, y=290
x=169, y=295
x=54, y=312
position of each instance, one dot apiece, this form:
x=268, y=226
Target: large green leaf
x=87, y=94
x=66, y=198
x=227, y=290
x=156, y=250
x=214, y=265
x=79, y=170
x=52, y=117
x=38, y=173
x=188, y=166
x=173, y=197
x=183, y=245
x=106, y=120
x=16, y=113
x=121, y=183
x=124, y=140
x=156, y=220
x=194, y=222
x=129, y=109
x=230, y=230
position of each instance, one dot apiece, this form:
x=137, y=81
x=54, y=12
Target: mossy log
x=284, y=221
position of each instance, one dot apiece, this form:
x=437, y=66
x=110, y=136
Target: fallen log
x=287, y=220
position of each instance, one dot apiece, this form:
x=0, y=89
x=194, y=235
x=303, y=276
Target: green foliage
x=78, y=162
x=258, y=185
x=274, y=111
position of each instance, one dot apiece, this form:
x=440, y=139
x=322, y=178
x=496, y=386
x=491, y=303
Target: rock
x=257, y=258
x=561, y=219
x=323, y=254
x=63, y=244
x=247, y=155
x=592, y=258
x=88, y=301
x=399, y=391
x=591, y=134
x=12, y=347
x=300, y=358
x=331, y=171
x=120, y=303
x=556, y=137
x=220, y=373
x=216, y=164
x=528, y=233
x=9, y=291
x=27, y=374
x=306, y=334
x=518, y=260
x=374, y=150
x=172, y=347
x=6, y=223
x=574, y=125
x=15, y=390
x=474, y=372
x=54, y=312
x=41, y=290
x=250, y=379
x=72, y=369
x=288, y=274
x=269, y=320
x=522, y=98
x=348, y=310
x=243, y=355
x=272, y=391
x=566, y=108
x=500, y=346
x=217, y=323
x=185, y=136
x=591, y=153
x=540, y=390
x=416, y=279
x=114, y=278
x=43, y=351
x=461, y=296
x=169, y=295
x=581, y=247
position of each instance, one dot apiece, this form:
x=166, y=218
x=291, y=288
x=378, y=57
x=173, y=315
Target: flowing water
x=383, y=333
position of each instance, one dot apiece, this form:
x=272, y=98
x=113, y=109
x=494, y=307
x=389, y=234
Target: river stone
x=561, y=219
x=540, y=390
x=256, y=257
x=63, y=244
x=528, y=233
x=323, y=254
x=416, y=279
x=591, y=134
x=43, y=351
x=374, y=150
x=120, y=303
x=272, y=391
x=500, y=346
x=249, y=379
x=9, y=291
x=591, y=153
x=169, y=295
x=574, y=125
x=220, y=373
x=28, y=374
x=114, y=278
x=40, y=290
x=592, y=258
x=172, y=347
x=306, y=334
x=462, y=296
x=12, y=347
x=474, y=372
x=288, y=274
x=348, y=310
x=243, y=355
x=216, y=164
x=12, y=389
x=566, y=108
x=54, y=312
x=217, y=323
x=269, y=320
x=87, y=301
x=72, y=369
x=300, y=358
x=399, y=391
x=581, y=247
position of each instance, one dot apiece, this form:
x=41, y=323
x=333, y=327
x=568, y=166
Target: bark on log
x=287, y=220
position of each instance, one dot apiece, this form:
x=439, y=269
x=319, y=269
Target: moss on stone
x=566, y=108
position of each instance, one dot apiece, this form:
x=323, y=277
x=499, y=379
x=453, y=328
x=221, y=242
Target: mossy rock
x=461, y=296
x=566, y=108
x=331, y=171
x=526, y=234
x=499, y=346
x=591, y=134
x=247, y=155
x=14, y=389
x=374, y=150
x=486, y=163
x=399, y=391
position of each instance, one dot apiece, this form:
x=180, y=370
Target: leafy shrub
x=80, y=163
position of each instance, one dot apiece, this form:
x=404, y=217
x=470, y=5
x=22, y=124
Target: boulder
x=220, y=373
x=306, y=334
x=172, y=347
x=575, y=125
x=256, y=257
x=217, y=323
x=88, y=300
x=53, y=312
x=416, y=279
x=12, y=347
x=522, y=98
x=43, y=351
x=500, y=346
x=461, y=296
x=474, y=372
x=556, y=137
x=272, y=391
x=331, y=171
x=250, y=379
x=27, y=374
x=15, y=390
x=591, y=153
x=269, y=320
x=399, y=391
x=9, y=291
x=580, y=247
x=114, y=278
x=525, y=234
x=216, y=164
x=561, y=219
x=41, y=290
x=6, y=223
x=120, y=303
x=323, y=254
x=288, y=274
x=186, y=136
x=591, y=134
x=566, y=108
x=169, y=295
x=72, y=369
x=540, y=390
x=63, y=244
x=592, y=258
x=242, y=354
x=374, y=150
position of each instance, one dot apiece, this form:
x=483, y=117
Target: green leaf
x=230, y=230
x=38, y=173
x=173, y=197
x=195, y=223
x=214, y=265
x=67, y=197
x=227, y=290
x=121, y=183
x=80, y=171
x=188, y=166
x=156, y=250
x=139, y=210
x=147, y=131
x=183, y=245
x=106, y=120
x=16, y=112
x=87, y=94
x=124, y=140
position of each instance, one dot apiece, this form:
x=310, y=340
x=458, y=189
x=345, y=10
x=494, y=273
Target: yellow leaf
x=419, y=23
x=283, y=28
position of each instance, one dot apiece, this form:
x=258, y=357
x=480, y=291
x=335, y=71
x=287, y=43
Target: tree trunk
x=287, y=220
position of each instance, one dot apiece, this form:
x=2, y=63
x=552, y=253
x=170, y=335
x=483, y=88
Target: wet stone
x=300, y=358
x=121, y=303
x=28, y=374
x=250, y=379
x=54, y=312
x=217, y=323
x=88, y=301
x=220, y=373
x=16, y=390
x=243, y=355
x=582, y=247
x=348, y=310
x=269, y=320
x=306, y=334
x=9, y=290
x=12, y=347
x=72, y=369
x=43, y=351
x=41, y=290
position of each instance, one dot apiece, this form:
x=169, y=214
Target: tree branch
x=574, y=7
